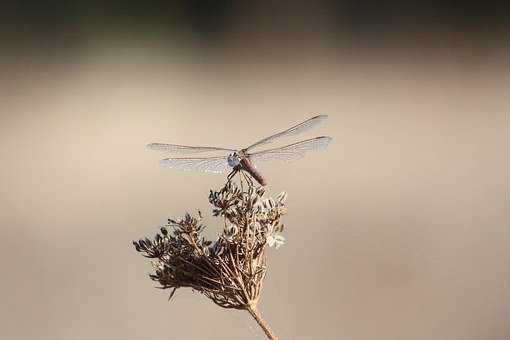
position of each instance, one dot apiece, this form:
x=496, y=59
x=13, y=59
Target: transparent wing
x=292, y=151
x=205, y=164
x=300, y=128
x=184, y=149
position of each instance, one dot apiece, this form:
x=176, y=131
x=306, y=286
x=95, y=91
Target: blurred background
x=400, y=230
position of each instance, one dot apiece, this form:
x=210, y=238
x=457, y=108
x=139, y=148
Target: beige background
x=399, y=231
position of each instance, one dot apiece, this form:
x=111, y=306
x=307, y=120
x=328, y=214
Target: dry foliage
x=230, y=270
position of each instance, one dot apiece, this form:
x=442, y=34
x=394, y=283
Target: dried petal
x=282, y=197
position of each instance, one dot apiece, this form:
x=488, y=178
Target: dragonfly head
x=234, y=159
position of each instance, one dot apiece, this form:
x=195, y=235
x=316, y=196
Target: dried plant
x=230, y=270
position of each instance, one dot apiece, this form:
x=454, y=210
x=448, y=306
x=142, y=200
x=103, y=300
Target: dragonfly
x=239, y=160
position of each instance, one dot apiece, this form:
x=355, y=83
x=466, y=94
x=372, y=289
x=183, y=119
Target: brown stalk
x=262, y=323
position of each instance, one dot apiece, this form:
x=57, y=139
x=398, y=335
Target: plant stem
x=262, y=323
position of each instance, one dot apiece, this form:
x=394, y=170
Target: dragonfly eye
x=233, y=160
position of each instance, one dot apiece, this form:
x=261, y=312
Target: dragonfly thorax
x=234, y=160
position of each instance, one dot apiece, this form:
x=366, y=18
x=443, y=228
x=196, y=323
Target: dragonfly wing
x=205, y=164
x=292, y=151
x=300, y=128
x=184, y=149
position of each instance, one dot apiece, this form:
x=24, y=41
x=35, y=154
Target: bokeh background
x=399, y=231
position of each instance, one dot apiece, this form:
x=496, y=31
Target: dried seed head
x=231, y=269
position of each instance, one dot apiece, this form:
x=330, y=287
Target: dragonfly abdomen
x=248, y=166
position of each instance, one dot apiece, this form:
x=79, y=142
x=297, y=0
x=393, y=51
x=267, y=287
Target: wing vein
x=184, y=149
x=296, y=129
x=205, y=164
x=292, y=151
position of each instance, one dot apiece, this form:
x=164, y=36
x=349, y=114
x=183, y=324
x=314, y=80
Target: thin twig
x=252, y=309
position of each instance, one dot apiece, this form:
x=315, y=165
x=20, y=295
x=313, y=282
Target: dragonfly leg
x=247, y=177
x=232, y=174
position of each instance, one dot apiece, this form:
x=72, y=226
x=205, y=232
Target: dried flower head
x=230, y=270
